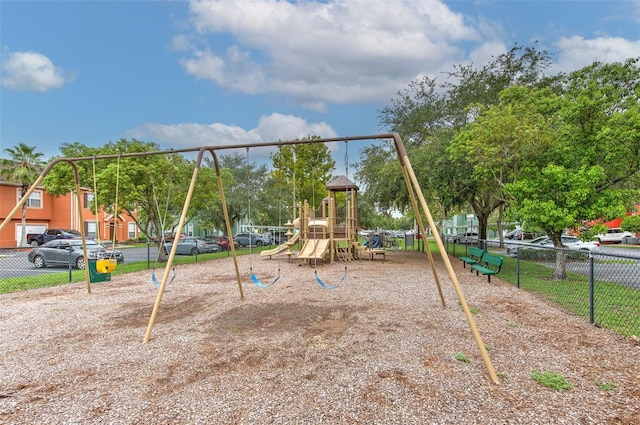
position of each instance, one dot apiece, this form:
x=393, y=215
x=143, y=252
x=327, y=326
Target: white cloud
x=31, y=71
x=269, y=129
x=576, y=52
x=318, y=52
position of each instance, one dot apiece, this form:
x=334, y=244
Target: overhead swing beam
x=402, y=157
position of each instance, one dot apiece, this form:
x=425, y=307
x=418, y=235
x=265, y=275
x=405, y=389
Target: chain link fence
x=602, y=287
x=18, y=273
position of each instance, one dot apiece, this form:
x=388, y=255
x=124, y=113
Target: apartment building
x=48, y=211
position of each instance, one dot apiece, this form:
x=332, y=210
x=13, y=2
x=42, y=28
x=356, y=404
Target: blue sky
x=200, y=73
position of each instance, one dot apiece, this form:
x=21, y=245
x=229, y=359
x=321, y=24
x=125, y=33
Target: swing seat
x=106, y=265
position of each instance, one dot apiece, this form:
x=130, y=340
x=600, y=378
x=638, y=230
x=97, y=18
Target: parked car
x=570, y=242
x=35, y=239
x=469, y=237
x=249, y=238
x=61, y=252
x=192, y=246
x=168, y=237
x=614, y=235
x=518, y=234
x=222, y=241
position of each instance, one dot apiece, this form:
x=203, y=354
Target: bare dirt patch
x=379, y=349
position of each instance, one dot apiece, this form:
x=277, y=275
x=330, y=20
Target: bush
x=631, y=224
x=549, y=255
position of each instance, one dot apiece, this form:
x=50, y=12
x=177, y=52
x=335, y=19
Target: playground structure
x=418, y=202
x=330, y=232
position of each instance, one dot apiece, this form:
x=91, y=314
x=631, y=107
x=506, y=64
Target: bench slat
x=475, y=255
x=490, y=264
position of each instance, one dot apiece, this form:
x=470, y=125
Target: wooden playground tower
x=330, y=232
x=418, y=202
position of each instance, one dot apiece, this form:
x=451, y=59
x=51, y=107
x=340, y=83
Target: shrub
x=549, y=255
x=631, y=224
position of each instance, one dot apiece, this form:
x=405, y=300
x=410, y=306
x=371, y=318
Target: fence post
x=518, y=267
x=70, y=266
x=591, y=290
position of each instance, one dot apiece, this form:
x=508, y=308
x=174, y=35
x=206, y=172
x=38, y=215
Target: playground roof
x=341, y=183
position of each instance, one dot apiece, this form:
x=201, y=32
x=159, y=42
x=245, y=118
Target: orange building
x=616, y=222
x=46, y=211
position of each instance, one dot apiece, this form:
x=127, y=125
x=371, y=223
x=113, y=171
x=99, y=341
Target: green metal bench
x=490, y=264
x=475, y=254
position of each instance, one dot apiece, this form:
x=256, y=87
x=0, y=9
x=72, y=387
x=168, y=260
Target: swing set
x=418, y=202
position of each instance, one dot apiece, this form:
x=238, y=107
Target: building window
x=88, y=198
x=90, y=228
x=132, y=230
x=35, y=199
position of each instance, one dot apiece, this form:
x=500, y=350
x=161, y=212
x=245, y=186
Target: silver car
x=192, y=246
x=249, y=238
x=570, y=242
x=65, y=252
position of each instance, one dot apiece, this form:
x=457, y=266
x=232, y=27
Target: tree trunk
x=560, y=271
x=500, y=229
x=483, y=220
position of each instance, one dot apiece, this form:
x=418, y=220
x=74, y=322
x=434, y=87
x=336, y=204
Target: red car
x=222, y=241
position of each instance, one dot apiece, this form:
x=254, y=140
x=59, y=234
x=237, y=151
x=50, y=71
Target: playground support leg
x=404, y=161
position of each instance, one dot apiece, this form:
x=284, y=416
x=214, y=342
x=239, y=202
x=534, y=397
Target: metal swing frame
x=419, y=206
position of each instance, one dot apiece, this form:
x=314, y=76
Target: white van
x=614, y=235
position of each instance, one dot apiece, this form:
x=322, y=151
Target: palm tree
x=23, y=167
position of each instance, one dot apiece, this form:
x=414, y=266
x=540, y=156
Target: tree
x=149, y=189
x=243, y=182
x=210, y=214
x=602, y=121
x=555, y=154
x=23, y=167
x=558, y=197
x=429, y=115
x=500, y=143
x=631, y=224
x=306, y=168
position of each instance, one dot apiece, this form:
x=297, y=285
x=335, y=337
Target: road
x=14, y=262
